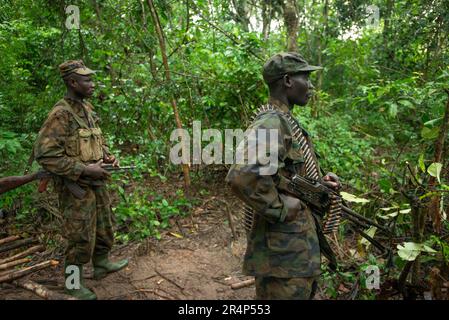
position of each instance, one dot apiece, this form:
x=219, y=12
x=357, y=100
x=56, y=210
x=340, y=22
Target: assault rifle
x=318, y=197
x=10, y=183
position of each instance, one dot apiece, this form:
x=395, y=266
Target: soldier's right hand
x=95, y=171
x=294, y=206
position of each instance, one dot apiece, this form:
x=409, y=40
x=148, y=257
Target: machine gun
x=322, y=200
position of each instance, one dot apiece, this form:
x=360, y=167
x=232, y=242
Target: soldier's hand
x=294, y=206
x=332, y=181
x=111, y=159
x=95, y=171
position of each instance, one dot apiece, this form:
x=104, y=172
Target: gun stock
x=10, y=183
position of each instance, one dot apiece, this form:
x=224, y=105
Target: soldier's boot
x=102, y=266
x=82, y=292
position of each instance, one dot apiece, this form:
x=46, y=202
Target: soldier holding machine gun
x=284, y=210
x=284, y=240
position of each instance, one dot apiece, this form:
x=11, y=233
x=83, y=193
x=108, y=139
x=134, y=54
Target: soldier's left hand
x=111, y=159
x=332, y=181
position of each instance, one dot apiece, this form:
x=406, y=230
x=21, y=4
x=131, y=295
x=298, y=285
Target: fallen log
x=41, y=291
x=17, y=244
x=14, y=263
x=23, y=272
x=9, y=239
x=23, y=254
x=243, y=284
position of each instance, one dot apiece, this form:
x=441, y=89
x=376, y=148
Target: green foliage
x=379, y=100
x=143, y=214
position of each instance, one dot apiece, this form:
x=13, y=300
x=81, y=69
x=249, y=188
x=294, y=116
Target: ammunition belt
x=332, y=220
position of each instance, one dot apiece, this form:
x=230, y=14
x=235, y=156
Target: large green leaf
x=434, y=170
x=410, y=250
x=352, y=198
x=430, y=133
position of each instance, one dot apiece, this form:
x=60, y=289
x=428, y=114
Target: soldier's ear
x=73, y=83
x=287, y=81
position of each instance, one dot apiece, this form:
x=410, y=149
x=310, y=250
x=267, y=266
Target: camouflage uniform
x=68, y=141
x=283, y=256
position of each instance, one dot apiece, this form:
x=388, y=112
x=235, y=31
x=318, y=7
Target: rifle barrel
x=368, y=221
x=111, y=168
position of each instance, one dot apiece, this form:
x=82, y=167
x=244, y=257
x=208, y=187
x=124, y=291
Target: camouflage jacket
x=276, y=248
x=69, y=139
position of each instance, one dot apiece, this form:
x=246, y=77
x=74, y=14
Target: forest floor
x=200, y=265
x=197, y=257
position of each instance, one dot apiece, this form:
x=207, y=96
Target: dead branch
x=228, y=212
x=160, y=35
x=9, y=239
x=41, y=291
x=14, y=263
x=169, y=280
x=155, y=293
x=23, y=254
x=17, y=244
x=23, y=272
x=243, y=284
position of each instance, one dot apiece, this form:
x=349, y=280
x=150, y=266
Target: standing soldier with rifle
x=70, y=145
x=284, y=238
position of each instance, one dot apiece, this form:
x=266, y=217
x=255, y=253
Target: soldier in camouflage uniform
x=283, y=249
x=71, y=145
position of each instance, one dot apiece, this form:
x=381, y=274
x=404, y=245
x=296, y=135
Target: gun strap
x=64, y=105
x=60, y=105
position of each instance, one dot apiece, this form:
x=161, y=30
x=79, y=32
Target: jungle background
x=379, y=118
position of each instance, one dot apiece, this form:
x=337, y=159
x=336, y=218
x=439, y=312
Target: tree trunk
x=98, y=13
x=321, y=44
x=160, y=35
x=266, y=18
x=387, y=17
x=291, y=24
x=242, y=16
x=434, y=205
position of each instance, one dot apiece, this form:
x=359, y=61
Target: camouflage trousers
x=270, y=288
x=88, y=224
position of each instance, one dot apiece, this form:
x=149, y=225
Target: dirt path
x=201, y=265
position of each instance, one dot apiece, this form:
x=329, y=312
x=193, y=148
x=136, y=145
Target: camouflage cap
x=285, y=63
x=74, y=66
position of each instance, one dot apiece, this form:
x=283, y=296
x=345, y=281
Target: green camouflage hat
x=285, y=63
x=74, y=66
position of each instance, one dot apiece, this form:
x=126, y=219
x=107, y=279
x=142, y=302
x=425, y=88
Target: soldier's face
x=83, y=85
x=299, y=88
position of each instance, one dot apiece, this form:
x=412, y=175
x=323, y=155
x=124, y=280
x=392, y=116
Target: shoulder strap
x=60, y=105
x=64, y=105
